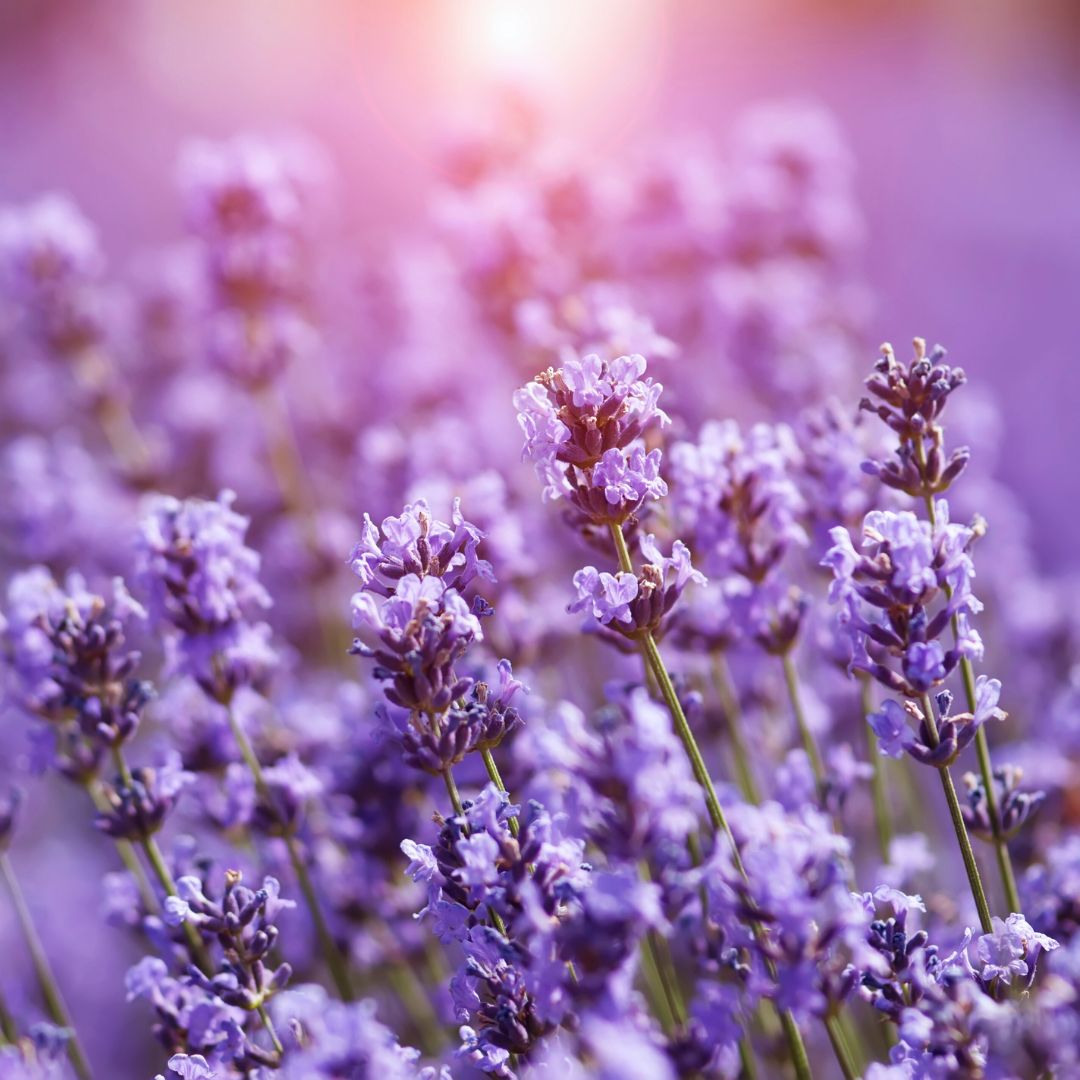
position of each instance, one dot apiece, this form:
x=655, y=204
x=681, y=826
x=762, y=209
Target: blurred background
x=963, y=120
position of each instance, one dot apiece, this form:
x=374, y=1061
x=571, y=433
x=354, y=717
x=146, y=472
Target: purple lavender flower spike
x=202, y=580
x=618, y=486
x=417, y=626
x=898, y=596
x=1014, y=807
x=66, y=650
x=910, y=399
x=415, y=543
x=633, y=603
x=573, y=416
x=51, y=257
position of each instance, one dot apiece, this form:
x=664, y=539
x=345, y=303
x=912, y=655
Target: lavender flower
x=736, y=499
x=900, y=594
x=51, y=257
x=244, y=921
x=203, y=587
x=417, y=544
x=336, y=1039
x=634, y=603
x=796, y=873
x=573, y=415
x=910, y=399
x=618, y=485
x=1010, y=951
x=65, y=648
x=954, y=730
x=412, y=571
x=135, y=806
x=1014, y=806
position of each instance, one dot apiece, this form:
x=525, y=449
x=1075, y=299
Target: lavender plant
x=557, y=821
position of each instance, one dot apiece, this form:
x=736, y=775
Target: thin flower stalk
x=161, y=870
x=336, y=963
x=719, y=820
x=729, y=700
x=971, y=867
x=8, y=1032
x=982, y=744
x=46, y=978
x=883, y=827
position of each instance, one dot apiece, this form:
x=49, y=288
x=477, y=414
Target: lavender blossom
x=901, y=593
x=796, y=873
x=203, y=587
x=65, y=648
x=735, y=497
x=51, y=257
x=573, y=415
x=632, y=604
x=1014, y=806
x=910, y=399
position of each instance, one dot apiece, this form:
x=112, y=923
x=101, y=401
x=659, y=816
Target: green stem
x=791, y=678
x=982, y=745
x=497, y=780
x=796, y=1046
x=657, y=990
x=339, y=971
x=840, y=1047
x=126, y=852
x=729, y=701
x=50, y=988
x=660, y=955
x=960, y=828
x=412, y=995
x=452, y=791
x=8, y=1031
x=701, y=773
x=746, y=1058
x=986, y=768
x=882, y=817
x=268, y=1024
x=161, y=870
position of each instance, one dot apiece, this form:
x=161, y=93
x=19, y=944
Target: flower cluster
x=910, y=399
x=247, y=202
x=203, y=589
x=737, y=499
x=50, y=254
x=901, y=593
x=581, y=424
x=634, y=603
x=413, y=572
x=637, y=867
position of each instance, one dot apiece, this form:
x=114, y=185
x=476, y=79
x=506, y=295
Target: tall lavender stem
x=339, y=971
x=882, y=817
x=50, y=988
x=962, y=837
x=806, y=736
x=840, y=1047
x=982, y=745
x=161, y=870
x=729, y=700
x=8, y=1031
x=719, y=820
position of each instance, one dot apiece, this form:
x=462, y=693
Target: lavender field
x=477, y=596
